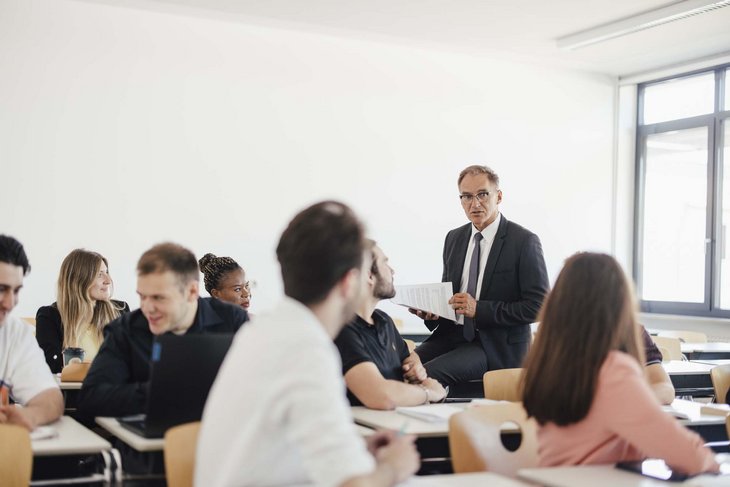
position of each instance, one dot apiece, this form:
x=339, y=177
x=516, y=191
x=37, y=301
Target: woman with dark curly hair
x=224, y=279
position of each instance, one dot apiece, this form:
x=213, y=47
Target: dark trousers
x=450, y=359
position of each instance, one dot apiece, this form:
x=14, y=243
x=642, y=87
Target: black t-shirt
x=380, y=344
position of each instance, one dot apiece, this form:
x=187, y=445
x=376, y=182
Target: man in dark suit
x=498, y=273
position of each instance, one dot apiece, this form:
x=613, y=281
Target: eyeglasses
x=467, y=198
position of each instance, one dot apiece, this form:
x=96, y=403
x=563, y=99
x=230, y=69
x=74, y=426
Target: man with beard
x=375, y=358
x=276, y=414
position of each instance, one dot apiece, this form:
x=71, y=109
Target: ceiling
x=523, y=30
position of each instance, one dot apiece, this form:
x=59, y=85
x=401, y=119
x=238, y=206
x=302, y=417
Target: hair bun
x=206, y=260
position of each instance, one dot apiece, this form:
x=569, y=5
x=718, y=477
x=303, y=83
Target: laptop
x=183, y=369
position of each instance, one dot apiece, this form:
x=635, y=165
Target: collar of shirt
x=489, y=232
x=205, y=316
x=485, y=246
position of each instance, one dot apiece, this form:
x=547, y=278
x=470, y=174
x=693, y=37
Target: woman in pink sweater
x=583, y=380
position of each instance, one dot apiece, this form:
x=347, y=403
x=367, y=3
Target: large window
x=681, y=249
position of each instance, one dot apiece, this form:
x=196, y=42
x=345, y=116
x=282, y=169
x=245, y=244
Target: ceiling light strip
x=647, y=20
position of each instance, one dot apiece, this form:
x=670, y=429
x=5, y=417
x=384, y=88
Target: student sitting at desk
x=375, y=358
x=167, y=285
x=83, y=309
x=224, y=279
x=24, y=375
x=659, y=381
x=583, y=380
x=276, y=414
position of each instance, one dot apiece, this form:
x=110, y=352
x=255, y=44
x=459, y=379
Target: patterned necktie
x=471, y=286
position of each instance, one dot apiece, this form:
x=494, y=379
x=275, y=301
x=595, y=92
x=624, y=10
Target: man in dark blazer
x=509, y=273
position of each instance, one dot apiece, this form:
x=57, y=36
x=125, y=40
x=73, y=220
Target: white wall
x=121, y=128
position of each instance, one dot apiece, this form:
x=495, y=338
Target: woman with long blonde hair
x=583, y=380
x=82, y=310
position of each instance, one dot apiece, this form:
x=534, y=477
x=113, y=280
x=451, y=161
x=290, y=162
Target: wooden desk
x=432, y=438
x=72, y=440
x=690, y=378
x=709, y=350
x=139, y=443
x=70, y=391
x=392, y=420
x=710, y=427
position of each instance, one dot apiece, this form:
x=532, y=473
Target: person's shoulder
x=515, y=229
x=349, y=333
x=384, y=319
x=127, y=323
x=231, y=314
x=49, y=310
x=121, y=305
x=458, y=230
x=15, y=325
x=619, y=364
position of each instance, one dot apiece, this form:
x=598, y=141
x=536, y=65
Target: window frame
x=715, y=124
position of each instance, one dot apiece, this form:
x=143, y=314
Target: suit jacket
x=49, y=333
x=514, y=285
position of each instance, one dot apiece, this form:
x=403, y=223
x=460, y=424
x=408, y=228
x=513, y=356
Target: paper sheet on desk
x=432, y=413
x=43, y=433
x=433, y=298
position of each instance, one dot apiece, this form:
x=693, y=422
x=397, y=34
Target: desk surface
x=714, y=363
x=479, y=479
x=392, y=420
x=66, y=386
x=684, y=367
x=692, y=410
x=139, y=443
x=607, y=476
x=688, y=347
x=73, y=439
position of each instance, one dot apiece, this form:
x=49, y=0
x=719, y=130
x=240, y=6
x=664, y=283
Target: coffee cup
x=73, y=355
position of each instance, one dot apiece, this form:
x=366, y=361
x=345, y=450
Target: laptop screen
x=182, y=372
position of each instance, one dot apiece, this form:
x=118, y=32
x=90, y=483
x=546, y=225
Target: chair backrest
x=476, y=444
x=75, y=372
x=684, y=335
x=410, y=344
x=727, y=424
x=180, y=445
x=503, y=385
x=29, y=319
x=670, y=347
x=16, y=456
x=720, y=382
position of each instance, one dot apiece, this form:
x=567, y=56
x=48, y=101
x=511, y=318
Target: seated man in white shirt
x=277, y=412
x=24, y=374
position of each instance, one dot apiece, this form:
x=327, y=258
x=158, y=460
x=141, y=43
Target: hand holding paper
x=432, y=298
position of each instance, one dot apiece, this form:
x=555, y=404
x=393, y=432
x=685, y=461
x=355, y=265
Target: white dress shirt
x=485, y=246
x=277, y=413
x=23, y=368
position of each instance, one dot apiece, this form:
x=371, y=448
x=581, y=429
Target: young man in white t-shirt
x=24, y=375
